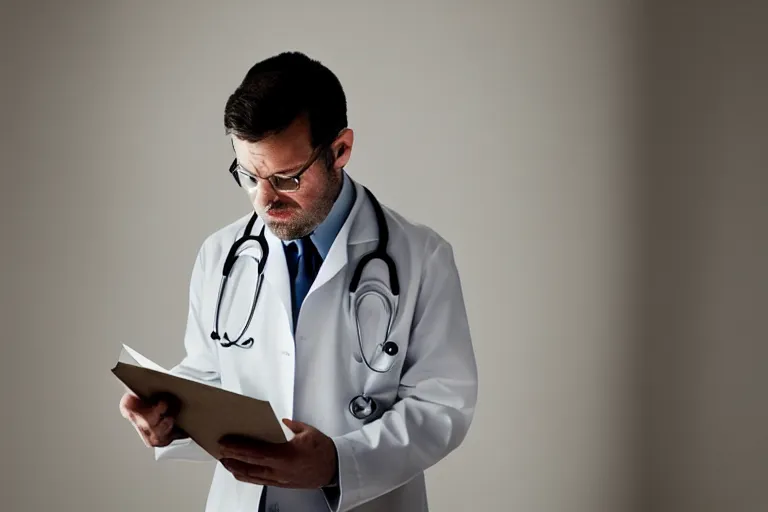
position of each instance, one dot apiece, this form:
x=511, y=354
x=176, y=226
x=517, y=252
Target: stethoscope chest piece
x=390, y=348
x=362, y=407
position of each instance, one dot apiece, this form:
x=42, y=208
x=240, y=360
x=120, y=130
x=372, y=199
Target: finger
x=296, y=427
x=160, y=440
x=156, y=413
x=158, y=407
x=243, y=445
x=255, y=457
x=255, y=473
x=178, y=432
x=144, y=434
x=139, y=411
x=164, y=428
x=168, y=404
x=172, y=434
x=147, y=422
x=242, y=477
x=253, y=451
x=158, y=435
x=130, y=404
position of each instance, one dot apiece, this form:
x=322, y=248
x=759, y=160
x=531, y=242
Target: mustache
x=277, y=205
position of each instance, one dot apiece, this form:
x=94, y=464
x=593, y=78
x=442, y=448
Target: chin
x=286, y=230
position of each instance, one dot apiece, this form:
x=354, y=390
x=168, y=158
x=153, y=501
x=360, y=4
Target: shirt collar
x=324, y=234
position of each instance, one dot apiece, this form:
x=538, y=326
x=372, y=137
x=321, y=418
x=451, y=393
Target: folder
x=206, y=413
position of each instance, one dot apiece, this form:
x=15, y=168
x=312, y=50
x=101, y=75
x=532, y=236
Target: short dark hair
x=277, y=91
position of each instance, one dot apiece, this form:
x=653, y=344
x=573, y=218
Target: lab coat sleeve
x=436, y=399
x=200, y=362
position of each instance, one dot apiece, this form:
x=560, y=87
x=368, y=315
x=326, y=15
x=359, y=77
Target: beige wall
x=603, y=184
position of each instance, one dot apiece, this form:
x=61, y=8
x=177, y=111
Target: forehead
x=288, y=148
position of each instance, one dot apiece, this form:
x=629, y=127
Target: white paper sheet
x=143, y=361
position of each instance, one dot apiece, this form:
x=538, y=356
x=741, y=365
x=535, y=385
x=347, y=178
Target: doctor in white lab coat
x=287, y=122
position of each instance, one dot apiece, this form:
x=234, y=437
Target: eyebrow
x=284, y=171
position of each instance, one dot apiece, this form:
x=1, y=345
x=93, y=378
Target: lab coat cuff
x=346, y=493
x=183, y=449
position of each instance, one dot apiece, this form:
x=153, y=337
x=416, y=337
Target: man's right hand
x=155, y=420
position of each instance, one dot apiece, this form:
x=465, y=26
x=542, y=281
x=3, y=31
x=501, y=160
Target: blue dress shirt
x=322, y=237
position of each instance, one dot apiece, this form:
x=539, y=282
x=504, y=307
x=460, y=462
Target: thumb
x=296, y=427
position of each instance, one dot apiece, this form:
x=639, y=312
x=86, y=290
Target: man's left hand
x=308, y=461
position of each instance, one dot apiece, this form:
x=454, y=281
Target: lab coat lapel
x=276, y=273
x=364, y=229
x=360, y=226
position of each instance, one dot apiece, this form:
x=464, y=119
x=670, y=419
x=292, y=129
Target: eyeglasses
x=250, y=182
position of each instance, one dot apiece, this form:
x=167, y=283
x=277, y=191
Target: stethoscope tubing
x=358, y=410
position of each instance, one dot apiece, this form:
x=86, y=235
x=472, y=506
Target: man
x=371, y=405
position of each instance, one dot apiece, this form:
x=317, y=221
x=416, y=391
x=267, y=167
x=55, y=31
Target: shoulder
x=414, y=240
x=425, y=242
x=426, y=256
x=215, y=246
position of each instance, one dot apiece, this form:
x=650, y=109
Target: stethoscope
x=363, y=405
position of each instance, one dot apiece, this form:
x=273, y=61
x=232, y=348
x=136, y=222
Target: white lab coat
x=426, y=402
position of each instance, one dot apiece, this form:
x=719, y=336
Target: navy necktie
x=303, y=263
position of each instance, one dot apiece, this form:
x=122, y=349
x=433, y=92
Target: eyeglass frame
x=236, y=170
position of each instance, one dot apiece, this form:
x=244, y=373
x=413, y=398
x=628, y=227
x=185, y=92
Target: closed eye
x=286, y=177
x=281, y=179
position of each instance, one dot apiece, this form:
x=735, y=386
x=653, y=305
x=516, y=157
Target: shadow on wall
x=704, y=335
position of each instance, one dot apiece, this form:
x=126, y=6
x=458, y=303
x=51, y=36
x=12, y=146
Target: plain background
x=600, y=168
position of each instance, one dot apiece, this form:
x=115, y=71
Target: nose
x=264, y=194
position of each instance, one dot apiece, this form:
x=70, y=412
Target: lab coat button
x=286, y=353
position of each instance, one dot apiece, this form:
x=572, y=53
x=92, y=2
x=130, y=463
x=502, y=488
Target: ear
x=342, y=148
